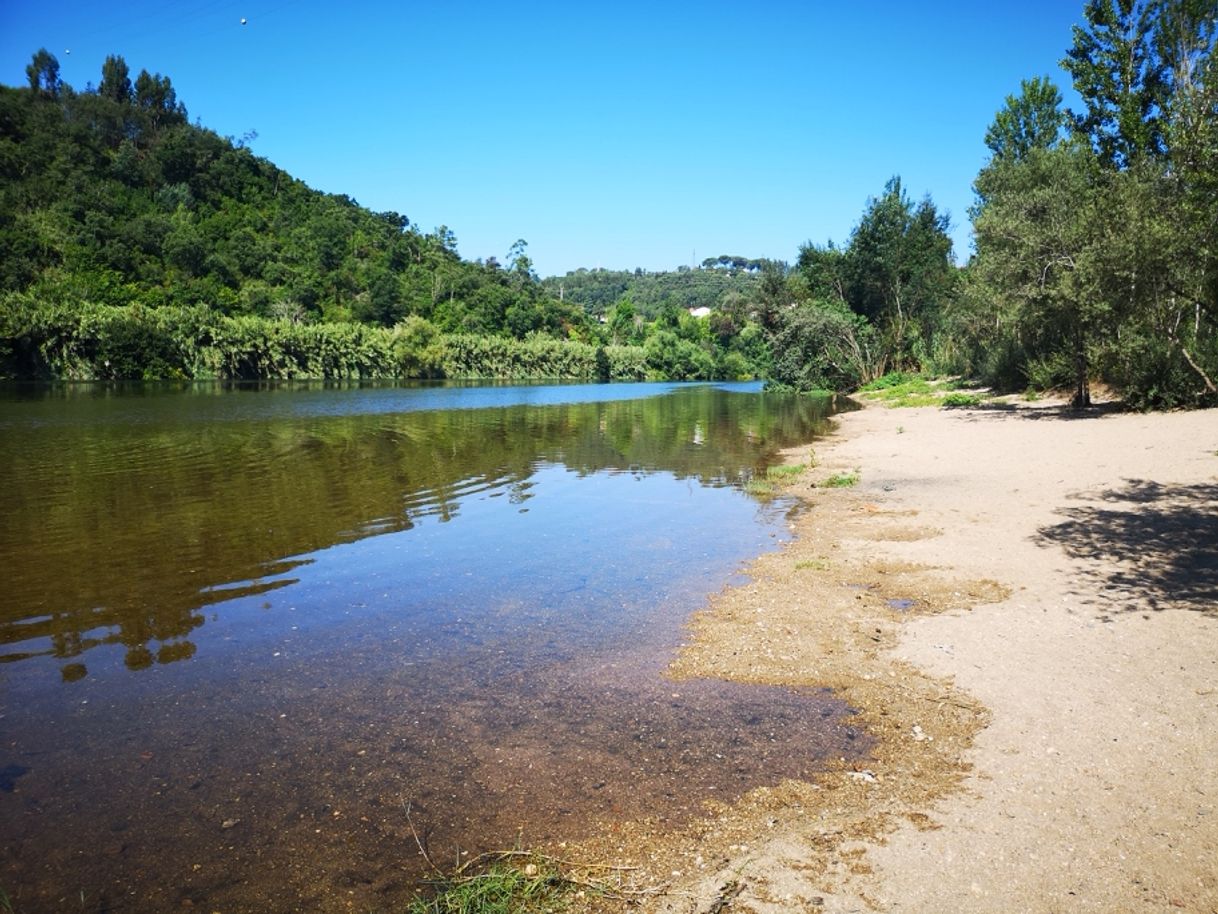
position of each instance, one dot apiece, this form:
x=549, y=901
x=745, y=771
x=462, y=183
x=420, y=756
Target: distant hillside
x=110, y=195
x=134, y=244
x=731, y=282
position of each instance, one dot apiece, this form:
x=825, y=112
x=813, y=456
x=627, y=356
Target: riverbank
x=1021, y=605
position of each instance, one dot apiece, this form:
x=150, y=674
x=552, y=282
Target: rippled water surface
x=241, y=630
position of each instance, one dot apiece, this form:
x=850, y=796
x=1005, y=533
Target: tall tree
x=1031, y=120
x=1035, y=237
x=156, y=98
x=1117, y=69
x=899, y=269
x=43, y=74
x=115, y=80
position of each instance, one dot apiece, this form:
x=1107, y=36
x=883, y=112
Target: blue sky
x=615, y=135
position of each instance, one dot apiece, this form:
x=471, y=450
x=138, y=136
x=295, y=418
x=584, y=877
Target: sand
x=1046, y=707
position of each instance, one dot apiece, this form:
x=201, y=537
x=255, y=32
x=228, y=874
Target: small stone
x=229, y=823
x=530, y=870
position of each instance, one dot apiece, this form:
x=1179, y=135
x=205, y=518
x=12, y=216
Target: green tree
x=1036, y=236
x=1116, y=68
x=157, y=101
x=824, y=346
x=1031, y=120
x=115, y=80
x=899, y=271
x=43, y=74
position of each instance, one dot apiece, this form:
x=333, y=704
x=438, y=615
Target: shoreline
x=1041, y=686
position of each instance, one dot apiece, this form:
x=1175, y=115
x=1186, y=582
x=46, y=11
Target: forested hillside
x=720, y=282
x=134, y=243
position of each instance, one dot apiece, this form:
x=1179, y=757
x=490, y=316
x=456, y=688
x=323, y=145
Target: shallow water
x=243, y=631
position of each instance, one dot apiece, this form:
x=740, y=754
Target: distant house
x=699, y=312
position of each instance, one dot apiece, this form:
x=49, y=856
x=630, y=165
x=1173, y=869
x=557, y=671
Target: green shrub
x=961, y=400
x=842, y=480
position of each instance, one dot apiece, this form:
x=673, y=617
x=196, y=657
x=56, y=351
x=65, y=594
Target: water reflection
x=123, y=523
x=332, y=615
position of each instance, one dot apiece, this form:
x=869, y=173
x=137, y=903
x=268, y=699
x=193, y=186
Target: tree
x=1031, y=120
x=824, y=346
x=1036, y=240
x=115, y=80
x=43, y=74
x=1116, y=68
x=156, y=99
x=899, y=270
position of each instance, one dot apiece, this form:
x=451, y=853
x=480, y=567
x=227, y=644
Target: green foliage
x=501, y=888
x=785, y=472
x=823, y=345
x=842, y=480
x=669, y=356
x=597, y=291
x=896, y=271
x=103, y=342
x=477, y=357
x=901, y=390
x=1096, y=256
x=1031, y=120
x=1121, y=77
x=760, y=488
x=957, y=399
x=890, y=380
x=1037, y=231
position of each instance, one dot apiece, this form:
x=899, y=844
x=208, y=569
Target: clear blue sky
x=617, y=134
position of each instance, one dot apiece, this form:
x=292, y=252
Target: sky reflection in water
x=299, y=608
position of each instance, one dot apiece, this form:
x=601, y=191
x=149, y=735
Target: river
x=244, y=629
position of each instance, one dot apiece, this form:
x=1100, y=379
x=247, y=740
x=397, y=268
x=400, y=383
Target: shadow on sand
x=1035, y=413
x=1145, y=544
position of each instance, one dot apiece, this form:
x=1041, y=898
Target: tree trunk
x=1082, y=390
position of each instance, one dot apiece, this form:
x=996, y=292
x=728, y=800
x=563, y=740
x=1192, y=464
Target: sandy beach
x=1023, y=606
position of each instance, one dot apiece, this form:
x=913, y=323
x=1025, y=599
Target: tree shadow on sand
x=1145, y=545
x=992, y=409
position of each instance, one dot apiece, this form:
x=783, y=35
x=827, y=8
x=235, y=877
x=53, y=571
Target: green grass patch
x=888, y=381
x=760, y=488
x=786, y=471
x=812, y=565
x=503, y=887
x=899, y=389
x=958, y=399
x=842, y=480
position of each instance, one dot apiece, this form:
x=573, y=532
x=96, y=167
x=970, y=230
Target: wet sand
x=1023, y=607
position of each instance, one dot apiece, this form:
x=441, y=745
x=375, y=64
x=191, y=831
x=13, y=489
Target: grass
x=899, y=389
x=767, y=486
x=842, y=480
x=890, y=380
x=961, y=399
x=761, y=488
x=501, y=888
x=786, y=471
x=812, y=564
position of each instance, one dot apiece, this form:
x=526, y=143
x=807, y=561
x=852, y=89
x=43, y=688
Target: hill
x=129, y=235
